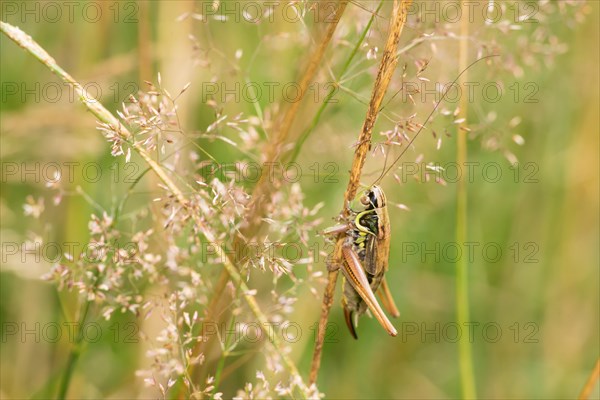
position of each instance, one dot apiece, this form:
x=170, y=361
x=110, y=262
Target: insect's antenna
x=385, y=160
x=410, y=142
x=357, y=4
x=397, y=92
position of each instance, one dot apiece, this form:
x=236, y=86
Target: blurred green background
x=534, y=307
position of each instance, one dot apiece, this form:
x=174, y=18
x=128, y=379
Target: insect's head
x=373, y=198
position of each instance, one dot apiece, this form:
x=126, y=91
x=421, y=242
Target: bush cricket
x=365, y=257
x=366, y=249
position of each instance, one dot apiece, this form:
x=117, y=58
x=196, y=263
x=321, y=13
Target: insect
x=365, y=260
x=366, y=250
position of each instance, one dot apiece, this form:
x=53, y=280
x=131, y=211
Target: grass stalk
x=221, y=364
x=273, y=152
x=74, y=353
x=144, y=42
x=260, y=193
x=314, y=122
x=384, y=76
x=465, y=360
x=592, y=381
x=95, y=107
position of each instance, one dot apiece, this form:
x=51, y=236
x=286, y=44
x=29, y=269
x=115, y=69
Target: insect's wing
x=379, y=257
x=384, y=238
x=378, y=249
x=356, y=276
x=371, y=255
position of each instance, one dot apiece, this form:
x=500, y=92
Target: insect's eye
x=364, y=199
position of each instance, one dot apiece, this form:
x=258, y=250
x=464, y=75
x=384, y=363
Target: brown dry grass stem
x=260, y=194
x=384, y=76
x=275, y=147
x=26, y=42
x=594, y=378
